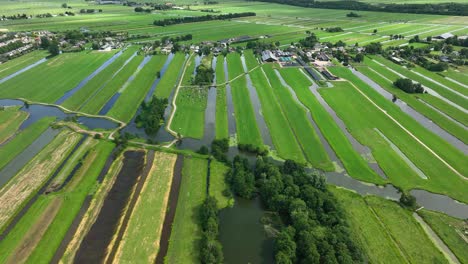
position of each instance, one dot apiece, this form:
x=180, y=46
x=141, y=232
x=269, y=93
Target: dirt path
x=436, y=240
x=409, y=133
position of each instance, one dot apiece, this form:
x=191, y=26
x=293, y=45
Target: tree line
x=456, y=9
x=314, y=227
x=408, y=86
x=174, y=21
x=151, y=116
x=211, y=250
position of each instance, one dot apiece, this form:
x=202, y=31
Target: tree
x=64, y=5
x=54, y=48
x=408, y=201
x=359, y=57
x=95, y=46
x=45, y=42
x=375, y=31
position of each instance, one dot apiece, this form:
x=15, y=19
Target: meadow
x=10, y=119
x=17, y=64
x=168, y=80
x=189, y=119
x=218, y=185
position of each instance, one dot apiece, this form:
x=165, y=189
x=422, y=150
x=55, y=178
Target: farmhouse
x=444, y=36
x=268, y=56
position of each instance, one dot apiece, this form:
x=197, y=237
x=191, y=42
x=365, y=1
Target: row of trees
x=334, y=29
x=458, y=9
x=314, y=227
x=408, y=86
x=211, y=251
x=174, y=21
x=151, y=116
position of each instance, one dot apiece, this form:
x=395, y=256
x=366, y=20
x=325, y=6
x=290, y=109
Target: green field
x=50, y=80
x=235, y=68
x=185, y=228
x=450, y=230
x=17, y=64
x=189, y=118
x=218, y=185
x=14, y=147
x=354, y=163
x=10, y=120
x=168, y=81
x=145, y=225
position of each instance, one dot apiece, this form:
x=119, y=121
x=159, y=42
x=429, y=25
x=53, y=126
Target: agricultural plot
x=218, y=186
x=168, y=81
x=185, y=229
x=235, y=68
x=132, y=95
x=344, y=98
x=189, y=119
x=17, y=64
x=282, y=135
x=354, y=163
x=87, y=92
x=221, y=101
x=140, y=242
x=19, y=189
x=10, y=120
x=50, y=80
x=298, y=121
x=450, y=230
x=106, y=93
x=65, y=204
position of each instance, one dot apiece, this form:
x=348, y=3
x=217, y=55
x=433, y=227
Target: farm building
x=444, y=36
x=268, y=56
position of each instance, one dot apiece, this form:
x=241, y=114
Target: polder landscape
x=217, y=131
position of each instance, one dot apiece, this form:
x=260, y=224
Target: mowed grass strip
x=419, y=106
x=218, y=185
x=234, y=65
x=219, y=71
x=361, y=119
x=141, y=240
x=450, y=230
x=11, y=119
x=415, y=77
x=445, y=150
x=189, y=118
x=168, y=80
x=410, y=236
x=19, y=63
x=250, y=59
x=281, y=133
x=298, y=121
x=50, y=80
x=448, y=109
x=101, y=98
x=32, y=176
x=131, y=98
x=88, y=90
x=353, y=162
x=364, y=226
x=189, y=71
x=71, y=198
x=185, y=229
x=246, y=125
x=221, y=126
x=14, y=147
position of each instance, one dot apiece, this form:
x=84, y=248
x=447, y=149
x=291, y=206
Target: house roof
x=446, y=35
x=268, y=55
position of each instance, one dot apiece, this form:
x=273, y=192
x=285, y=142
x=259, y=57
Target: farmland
x=108, y=126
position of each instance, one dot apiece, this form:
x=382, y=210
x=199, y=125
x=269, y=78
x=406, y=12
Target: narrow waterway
x=261, y=124
x=88, y=78
x=421, y=119
x=22, y=70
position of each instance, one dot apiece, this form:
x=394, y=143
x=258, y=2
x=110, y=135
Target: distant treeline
x=174, y=21
x=456, y=9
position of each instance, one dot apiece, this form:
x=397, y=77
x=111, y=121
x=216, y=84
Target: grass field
x=410, y=236
x=17, y=64
x=345, y=100
x=281, y=134
x=14, y=147
x=190, y=71
x=450, y=230
x=50, y=80
x=354, y=163
x=32, y=176
x=222, y=130
x=234, y=65
x=297, y=119
x=189, y=119
x=247, y=130
x=141, y=240
x=364, y=225
x=86, y=93
x=10, y=120
x=168, y=81
x=218, y=184
x=185, y=228
x=412, y=100
x=132, y=95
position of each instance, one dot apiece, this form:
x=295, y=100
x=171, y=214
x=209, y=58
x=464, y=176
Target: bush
x=408, y=86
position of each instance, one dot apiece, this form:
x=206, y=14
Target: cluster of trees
x=396, y=36
x=185, y=37
x=309, y=41
x=408, y=86
x=211, y=250
x=11, y=46
x=205, y=75
x=436, y=9
x=259, y=151
x=209, y=11
x=334, y=29
x=219, y=148
x=140, y=9
x=352, y=14
x=151, y=115
x=455, y=41
x=210, y=2
x=15, y=17
x=174, y=21
x=51, y=45
x=314, y=228
x=89, y=11
x=373, y=48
